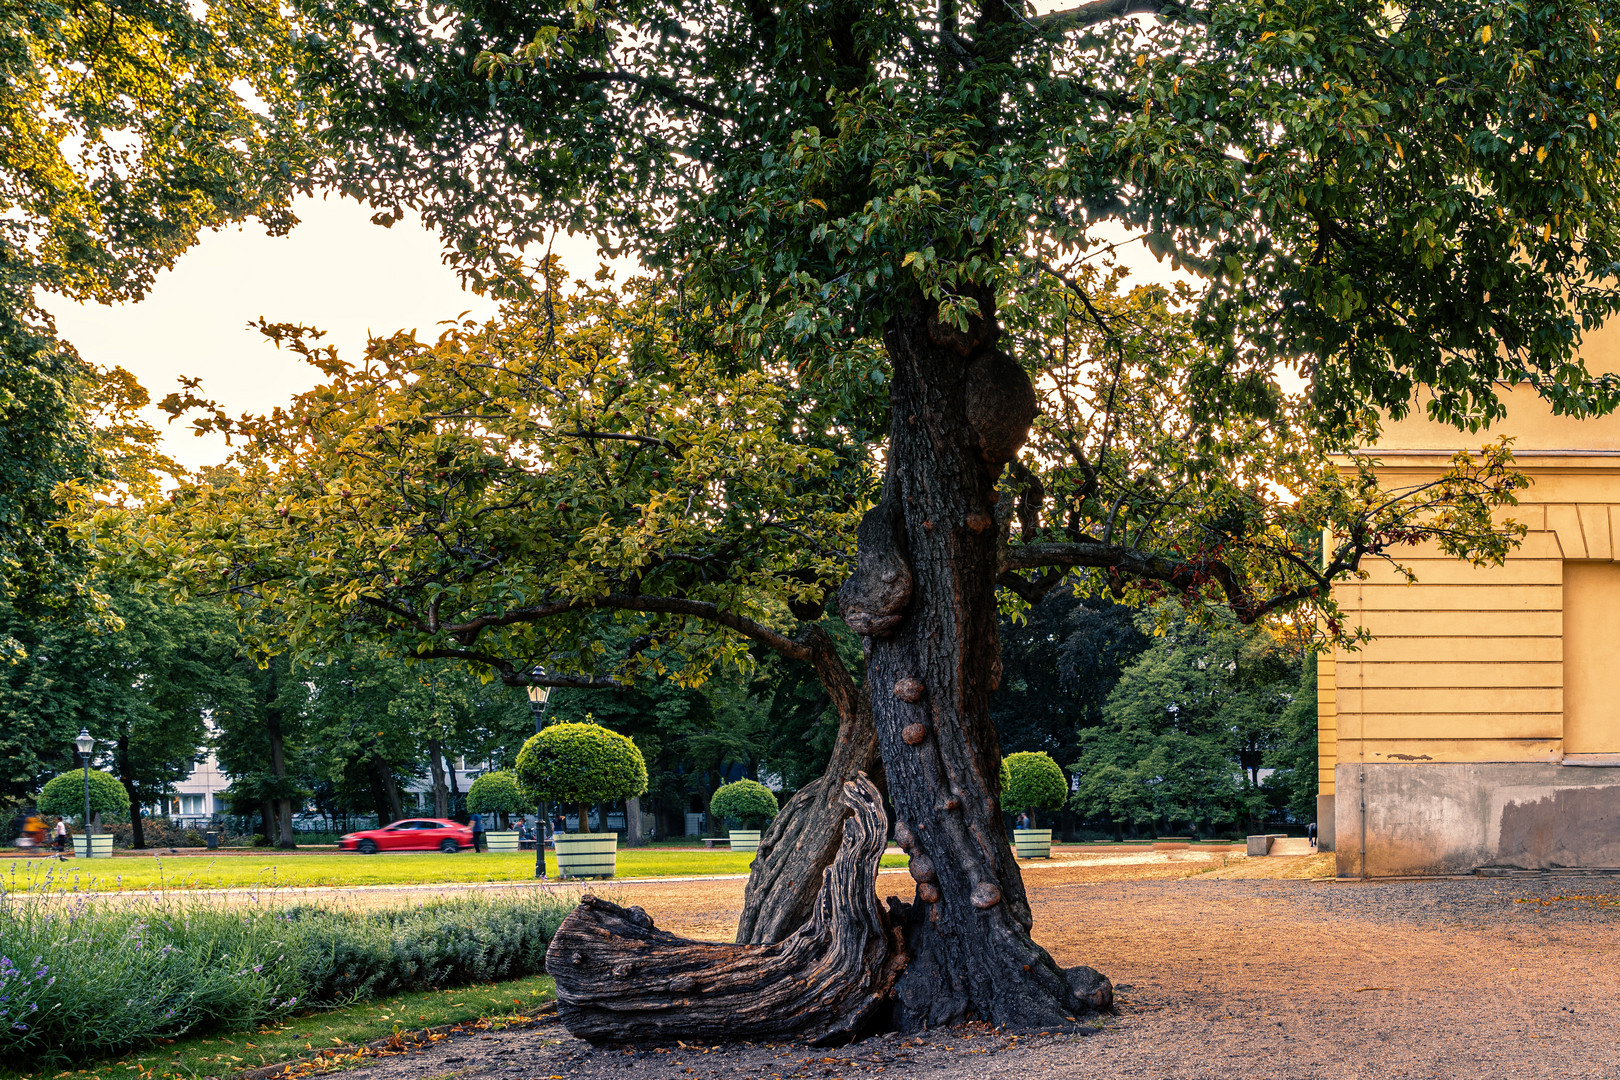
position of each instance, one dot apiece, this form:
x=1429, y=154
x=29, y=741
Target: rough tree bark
x=441, y=803
x=620, y=979
x=137, y=825
x=278, y=764
x=924, y=596
x=784, y=880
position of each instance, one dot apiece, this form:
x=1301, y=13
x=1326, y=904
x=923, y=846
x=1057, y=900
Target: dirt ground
x=1221, y=975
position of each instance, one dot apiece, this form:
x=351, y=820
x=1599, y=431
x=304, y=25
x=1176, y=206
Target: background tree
x=500, y=793
x=1189, y=727
x=145, y=690
x=1060, y=659
x=1291, y=789
x=747, y=801
x=63, y=796
x=258, y=739
x=581, y=764
x=1031, y=781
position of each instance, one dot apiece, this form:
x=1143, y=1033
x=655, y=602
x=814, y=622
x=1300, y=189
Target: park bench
x=710, y=841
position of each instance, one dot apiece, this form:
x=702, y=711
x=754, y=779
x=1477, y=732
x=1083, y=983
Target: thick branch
x=1099, y=11
x=652, y=605
x=662, y=89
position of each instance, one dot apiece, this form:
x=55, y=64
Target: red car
x=413, y=834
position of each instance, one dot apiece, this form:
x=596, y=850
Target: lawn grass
x=302, y=1036
x=388, y=868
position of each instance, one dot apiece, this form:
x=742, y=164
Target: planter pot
x=1033, y=843
x=100, y=846
x=501, y=841
x=587, y=854
x=745, y=840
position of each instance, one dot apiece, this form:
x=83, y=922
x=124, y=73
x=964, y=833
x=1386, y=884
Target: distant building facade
x=1481, y=726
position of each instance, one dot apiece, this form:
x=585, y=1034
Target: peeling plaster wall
x=1452, y=818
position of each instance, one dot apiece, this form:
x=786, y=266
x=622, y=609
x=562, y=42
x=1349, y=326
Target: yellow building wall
x=1469, y=663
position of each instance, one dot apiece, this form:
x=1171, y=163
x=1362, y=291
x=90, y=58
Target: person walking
x=61, y=835
x=478, y=832
x=1311, y=832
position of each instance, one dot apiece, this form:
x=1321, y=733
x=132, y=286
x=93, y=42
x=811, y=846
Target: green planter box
x=100, y=845
x=587, y=854
x=1032, y=843
x=501, y=841
x=745, y=839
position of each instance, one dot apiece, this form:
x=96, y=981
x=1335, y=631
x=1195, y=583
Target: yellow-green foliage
x=581, y=763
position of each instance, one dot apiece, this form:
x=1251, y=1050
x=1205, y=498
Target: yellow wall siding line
x=1595, y=527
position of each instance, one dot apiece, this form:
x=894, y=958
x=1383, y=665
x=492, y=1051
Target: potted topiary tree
x=501, y=794
x=1032, y=781
x=582, y=764
x=747, y=802
x=63, y=796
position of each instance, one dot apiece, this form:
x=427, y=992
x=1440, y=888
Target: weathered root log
x=621, y=979
x=786, y=876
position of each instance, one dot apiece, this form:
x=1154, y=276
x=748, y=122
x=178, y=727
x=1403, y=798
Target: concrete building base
x=1324, y=823
x=1456, y=818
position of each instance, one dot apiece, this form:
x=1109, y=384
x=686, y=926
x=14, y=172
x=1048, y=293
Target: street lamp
x=538, y=696
x=86, y=744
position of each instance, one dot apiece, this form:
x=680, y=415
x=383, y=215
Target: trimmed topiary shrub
x=580, y=764
x=63, y=795
x=498, y=793
x=747, y=801
x=1032, y=781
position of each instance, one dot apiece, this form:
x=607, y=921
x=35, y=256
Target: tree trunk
x=137, y=830
x=800, y=843
x=278, y=765
x=441, y=807
x=632, y=821
x=619, y=979
x=267, y=817
x=924, y=595
x=390, y=790
x=584, y=811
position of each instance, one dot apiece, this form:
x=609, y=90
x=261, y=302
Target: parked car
x=413, y=834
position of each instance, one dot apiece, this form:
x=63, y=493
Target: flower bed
x=80, y=978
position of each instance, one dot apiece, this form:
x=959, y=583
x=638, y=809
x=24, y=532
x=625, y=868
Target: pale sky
x=335, y=271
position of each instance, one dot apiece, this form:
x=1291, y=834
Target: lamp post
x=538, y=696
x=86, y=744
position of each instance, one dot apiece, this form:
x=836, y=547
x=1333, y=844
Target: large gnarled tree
x=875, y=221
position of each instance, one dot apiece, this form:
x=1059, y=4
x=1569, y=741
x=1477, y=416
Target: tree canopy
x=126, y=128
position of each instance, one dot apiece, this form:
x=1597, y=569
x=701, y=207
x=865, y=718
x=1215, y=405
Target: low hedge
x=81, y=979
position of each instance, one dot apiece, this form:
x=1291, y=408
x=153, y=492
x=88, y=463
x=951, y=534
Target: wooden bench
x=710, y=841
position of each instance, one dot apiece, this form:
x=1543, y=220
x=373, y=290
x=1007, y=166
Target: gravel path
x=1217, y=980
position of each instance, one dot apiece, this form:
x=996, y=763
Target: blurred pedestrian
x=61, y=835
x=1310, y=831
x=478, y=832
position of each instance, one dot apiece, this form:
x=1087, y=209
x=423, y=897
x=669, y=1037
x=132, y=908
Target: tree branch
x=1099, y=11
x=661, y=89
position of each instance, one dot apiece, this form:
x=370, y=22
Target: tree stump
x=620, y=979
